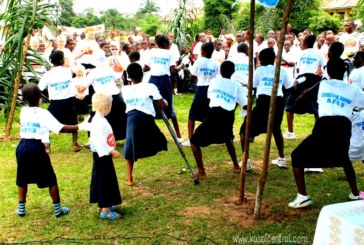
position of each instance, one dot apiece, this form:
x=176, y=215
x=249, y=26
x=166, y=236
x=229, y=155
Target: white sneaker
x=360, y=197
x=313, y=170
x=289, y=136
x=248, y=165
x=280, y=162
x=300, y=201
x=186, y=143
x=180, y=140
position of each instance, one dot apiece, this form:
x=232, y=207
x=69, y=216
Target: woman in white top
x=61, y=93
x=328, y=145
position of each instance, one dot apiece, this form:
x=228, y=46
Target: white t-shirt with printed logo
x=356, y=77
x=138, y=97
x=102, y=138
x=226, y=93
x=36, y=122
x=310, y=60
x=241, y=62
x=160, y=60
x=205, y=69
x=58, y=81
x=337, y=98
x=103, y=80
x=264, y=80
x=356, y=150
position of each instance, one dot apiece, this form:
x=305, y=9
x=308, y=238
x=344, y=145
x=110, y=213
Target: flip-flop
x=113, y=215
x=77, y=148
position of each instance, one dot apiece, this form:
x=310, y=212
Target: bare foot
x=201, y=176
x=129, y=183
x=237, y=170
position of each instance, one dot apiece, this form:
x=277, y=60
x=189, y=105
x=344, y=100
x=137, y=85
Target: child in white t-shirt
x=204, y=69
x=143, y=137
x=33, y=163
x=104, y=187
x=217, y=128
x=80, y=80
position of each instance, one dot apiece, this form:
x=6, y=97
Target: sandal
x=110, y=215
x=77, y=148
x=112, y=208
x=87, y=146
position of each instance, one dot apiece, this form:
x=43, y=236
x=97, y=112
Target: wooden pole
x=250, y=103
x=264, y=173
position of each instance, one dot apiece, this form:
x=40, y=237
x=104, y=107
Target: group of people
x=127, y=92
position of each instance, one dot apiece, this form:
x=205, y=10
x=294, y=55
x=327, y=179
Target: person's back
x=310, y=60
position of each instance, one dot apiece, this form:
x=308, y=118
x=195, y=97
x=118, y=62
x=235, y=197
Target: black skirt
x=34, y=164
x=200, y=105
x=64, y=111
x=82, y=106
x=327, y=146
x=143, y=137
x=260, y=115
x=309, y=104
x=117, y=117
x=164, y=86
x=217, y=128
x=104, y=188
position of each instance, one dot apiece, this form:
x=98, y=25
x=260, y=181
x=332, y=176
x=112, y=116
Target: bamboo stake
x=264, y=173
x=250, y=103
x=10, y=121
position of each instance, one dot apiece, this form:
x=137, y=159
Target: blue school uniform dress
x=263, y=81
x=143, y=137
x=328, y=144
x=217, y=128
x=33, y=163
x=61, y=94
x=103, y=78
x=160, y=61
x=104, y=188
x=204, y=69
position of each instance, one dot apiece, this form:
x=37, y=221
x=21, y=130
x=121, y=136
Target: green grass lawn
x=165, y=207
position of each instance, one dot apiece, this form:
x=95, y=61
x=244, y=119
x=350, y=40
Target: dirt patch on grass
x=200, y=211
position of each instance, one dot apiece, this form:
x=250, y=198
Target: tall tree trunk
x=264, y=173
x=10, y=121
x=250, y=104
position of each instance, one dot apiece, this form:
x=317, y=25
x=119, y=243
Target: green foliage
x=357, y=13
x=218, y=14
x=20, y=18
x=87, y=18
x=113, y=19
x=324, y=22
x=150, y=24
x=67, y=13
x=303, y=12
x=149, y=7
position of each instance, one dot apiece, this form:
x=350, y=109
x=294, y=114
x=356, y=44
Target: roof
x=338, y=4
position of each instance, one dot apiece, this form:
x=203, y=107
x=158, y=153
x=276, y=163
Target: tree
x=324, y=22
x=218, y=14
x=19, y=18
x=67, y=13
x=113, y=19
x=149, y=7
x=87, y=18
x=150, y=24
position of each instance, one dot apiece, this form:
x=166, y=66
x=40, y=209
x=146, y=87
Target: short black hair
x=208, y=48
x=336, y=49
x=161, y=40
x=57, y=58
x=336, y=68
x=310, y=40
x=134, y=56
x=242, y=48
x=135, y=71
x=227, y=69
x=31, y=94
x=267, y=56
